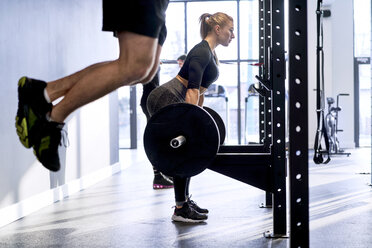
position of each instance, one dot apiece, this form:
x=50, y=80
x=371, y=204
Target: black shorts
x=145, y=17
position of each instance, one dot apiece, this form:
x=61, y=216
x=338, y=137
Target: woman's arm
x=201, y=100
x=192, y=96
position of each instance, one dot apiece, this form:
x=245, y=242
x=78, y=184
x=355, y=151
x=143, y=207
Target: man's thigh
x=137, y=48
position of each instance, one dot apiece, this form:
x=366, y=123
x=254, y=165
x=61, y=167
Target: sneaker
x=193, y=205
x=32, y=109
x=162, y=182
x=46, y=145
x=188, y=214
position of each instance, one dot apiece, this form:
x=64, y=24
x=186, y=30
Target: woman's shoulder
x=202, y=48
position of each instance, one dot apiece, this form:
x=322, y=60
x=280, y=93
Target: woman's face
x=226, y=34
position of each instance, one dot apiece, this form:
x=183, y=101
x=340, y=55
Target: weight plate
x=201, y=140
x=219, y=122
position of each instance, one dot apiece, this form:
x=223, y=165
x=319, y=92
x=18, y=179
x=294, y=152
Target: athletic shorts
x=145, y=17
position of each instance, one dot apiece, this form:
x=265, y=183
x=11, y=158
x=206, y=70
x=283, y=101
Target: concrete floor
x=124, y=211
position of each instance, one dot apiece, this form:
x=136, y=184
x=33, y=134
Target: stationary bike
x=332, y=126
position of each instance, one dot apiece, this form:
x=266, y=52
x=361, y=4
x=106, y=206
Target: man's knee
x=149, y=76
x=136, y=69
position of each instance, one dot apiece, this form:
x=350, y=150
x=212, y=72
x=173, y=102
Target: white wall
x=48, y=39
x=338, y=65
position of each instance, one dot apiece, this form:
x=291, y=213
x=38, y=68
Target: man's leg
x=135, y=62
x=137, y=55
x=155, y=67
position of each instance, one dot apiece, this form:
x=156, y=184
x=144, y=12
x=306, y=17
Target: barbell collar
x=178, y=141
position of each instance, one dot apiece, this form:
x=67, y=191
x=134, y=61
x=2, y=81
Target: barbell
x=183, y=139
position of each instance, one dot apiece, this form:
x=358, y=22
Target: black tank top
x=200, y=67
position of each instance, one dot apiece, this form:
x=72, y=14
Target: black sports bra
x=200, y=68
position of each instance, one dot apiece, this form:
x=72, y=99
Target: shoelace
x=191, y=201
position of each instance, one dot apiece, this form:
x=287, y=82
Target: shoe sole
x=22, y=123
x=160, y=186
x=182, y=219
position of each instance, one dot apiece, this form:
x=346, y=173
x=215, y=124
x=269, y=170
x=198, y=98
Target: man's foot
x=32, y=109
x=188, y=214
x=193, y=205
x=46, y=145
x=162, y=182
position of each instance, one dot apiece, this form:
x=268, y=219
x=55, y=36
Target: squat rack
x=264, y=165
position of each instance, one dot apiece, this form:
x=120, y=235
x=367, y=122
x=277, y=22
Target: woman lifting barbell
x=196, y=75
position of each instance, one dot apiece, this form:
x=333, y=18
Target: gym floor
x=124, y=211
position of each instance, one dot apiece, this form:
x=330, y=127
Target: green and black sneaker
x=47, y=143
x=32, y=109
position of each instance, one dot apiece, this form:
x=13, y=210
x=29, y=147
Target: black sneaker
x=188, y=214
x=162, y=182
x=46, y=145
x=193, y=205
x=32, y=109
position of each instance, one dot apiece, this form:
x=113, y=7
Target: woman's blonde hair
x=209, y=21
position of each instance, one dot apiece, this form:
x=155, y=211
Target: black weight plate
x=200, y=148
x=219, y=122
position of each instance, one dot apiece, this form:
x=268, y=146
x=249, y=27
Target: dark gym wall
x=49, y=39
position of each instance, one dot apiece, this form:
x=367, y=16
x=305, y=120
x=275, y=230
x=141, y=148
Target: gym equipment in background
x=332, y=126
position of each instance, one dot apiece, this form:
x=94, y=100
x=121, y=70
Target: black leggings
x=168, y=93
x=181, y=188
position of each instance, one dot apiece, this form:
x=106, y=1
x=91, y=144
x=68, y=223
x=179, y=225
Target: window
x=236, y=71
x=362, y=51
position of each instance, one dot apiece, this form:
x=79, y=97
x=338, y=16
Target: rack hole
x=298, y=105
x=298, y=176
x=298, y=129
x=298, y=153
x=298, y=81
